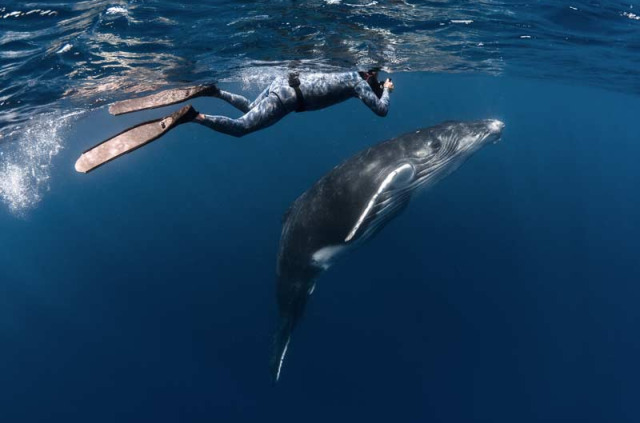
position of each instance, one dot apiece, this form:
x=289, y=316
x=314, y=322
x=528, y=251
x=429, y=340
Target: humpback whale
x=352, y=202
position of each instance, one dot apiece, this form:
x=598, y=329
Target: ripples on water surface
x=59, y=56
x=101, y=49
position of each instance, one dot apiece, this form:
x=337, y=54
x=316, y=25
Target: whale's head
x=443, y=148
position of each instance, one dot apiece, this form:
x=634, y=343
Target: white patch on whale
x=284, y=352
x=324, y=257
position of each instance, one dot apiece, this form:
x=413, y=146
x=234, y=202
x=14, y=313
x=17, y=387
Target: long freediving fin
x=163, y=98
x=132, y=139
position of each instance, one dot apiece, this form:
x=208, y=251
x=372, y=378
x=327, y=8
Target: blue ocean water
x=145, y=291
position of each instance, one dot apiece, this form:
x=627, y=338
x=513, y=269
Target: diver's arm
x=379, y=106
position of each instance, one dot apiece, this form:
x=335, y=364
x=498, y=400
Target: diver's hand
x=388, y=84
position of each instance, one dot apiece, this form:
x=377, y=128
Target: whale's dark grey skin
x=355, y=200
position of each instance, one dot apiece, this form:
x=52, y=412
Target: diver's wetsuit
x=319, y=90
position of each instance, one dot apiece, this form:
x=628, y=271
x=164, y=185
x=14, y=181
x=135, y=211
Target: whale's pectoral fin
x=390, y=199
x=280, y=346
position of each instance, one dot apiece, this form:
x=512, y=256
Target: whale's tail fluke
x=280, y=345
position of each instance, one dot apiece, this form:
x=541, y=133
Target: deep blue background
x=145, y=291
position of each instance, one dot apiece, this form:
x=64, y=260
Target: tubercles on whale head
x=495, y=128
x=474, y=135
x=486, y=131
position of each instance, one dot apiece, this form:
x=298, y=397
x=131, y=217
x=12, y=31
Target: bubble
x=26, y=161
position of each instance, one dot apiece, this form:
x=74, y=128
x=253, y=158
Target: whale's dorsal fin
x=388, y=200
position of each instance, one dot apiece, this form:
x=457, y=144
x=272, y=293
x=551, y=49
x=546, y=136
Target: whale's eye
x=435, y=145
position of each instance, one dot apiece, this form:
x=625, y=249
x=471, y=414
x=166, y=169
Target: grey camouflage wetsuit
x=319, y=90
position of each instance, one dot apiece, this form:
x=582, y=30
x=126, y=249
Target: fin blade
x=131, y=139
x=161, y=99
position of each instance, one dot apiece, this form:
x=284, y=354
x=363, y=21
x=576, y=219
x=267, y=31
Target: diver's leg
x=239, y=102
x=264, y=94
x=264, y=114
x=242, y=103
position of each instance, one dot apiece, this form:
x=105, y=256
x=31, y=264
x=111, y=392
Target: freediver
x=295, y=93
x=299, y=94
